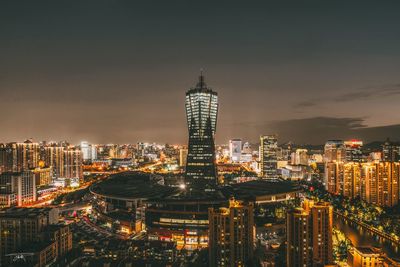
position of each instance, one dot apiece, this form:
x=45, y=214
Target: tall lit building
x=300, y=157
x=380, y=183
x=334, y=156
x=235, y=149
x=73, y=164
x=268, y=156
x=17, y=157
x=353, y=150
x=54, y=158
x=43, y=176
x=335, y=151
x=390, y=151
x=309, y=235
x=86, y=149
x=21, y=186
x=350, y=179
x=231, y=235
x=201, y=113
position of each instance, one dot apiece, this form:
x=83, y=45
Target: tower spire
x=201, y=83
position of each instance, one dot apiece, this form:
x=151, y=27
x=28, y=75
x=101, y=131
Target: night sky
x=117, y=71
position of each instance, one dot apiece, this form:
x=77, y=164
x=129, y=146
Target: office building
x=268, y=156
x=309, y=235
x=201, y=113
x=235, y=150
x=231, y=232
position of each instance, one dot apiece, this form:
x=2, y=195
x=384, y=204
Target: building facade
x=309, y=235
x=231, y=235
x=268, y=156
x=201, y=113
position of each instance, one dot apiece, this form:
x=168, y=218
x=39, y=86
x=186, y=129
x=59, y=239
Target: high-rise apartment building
x=335, y=151
x=17, y=188
x=375, y=182
x=231, y=235
x=54, y=158
x=43, y=176
x=350, y=179
x=17, y=157
x=89, y=151
x=309, y=235
x=299, y=157
x=73, y=163
x=390, y=151
x=380, y=183
x=353, y=150
x=201, y=114
x=268, y=156
x=334, y=156
x=235, y=149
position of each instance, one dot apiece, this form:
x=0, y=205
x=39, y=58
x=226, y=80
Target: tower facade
x=201, y=114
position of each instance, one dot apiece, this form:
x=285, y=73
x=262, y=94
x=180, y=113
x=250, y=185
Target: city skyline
x=295, y=70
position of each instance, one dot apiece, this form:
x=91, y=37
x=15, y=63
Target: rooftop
x=131, y=185
x=23, y=212
x=252, y=189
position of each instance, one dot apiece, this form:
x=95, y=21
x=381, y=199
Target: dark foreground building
x=201, y=113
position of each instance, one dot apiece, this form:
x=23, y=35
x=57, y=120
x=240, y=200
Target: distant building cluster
x=374, y=179
x=25, y=167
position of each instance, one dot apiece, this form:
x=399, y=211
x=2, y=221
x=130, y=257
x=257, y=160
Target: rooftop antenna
x=201, y=79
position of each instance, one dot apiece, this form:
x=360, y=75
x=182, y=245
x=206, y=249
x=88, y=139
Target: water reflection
x=361, y=237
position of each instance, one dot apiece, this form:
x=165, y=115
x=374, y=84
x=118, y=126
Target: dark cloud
x=365, y=93
x=317, y=130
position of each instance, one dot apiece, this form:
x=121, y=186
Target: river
x=362, y=237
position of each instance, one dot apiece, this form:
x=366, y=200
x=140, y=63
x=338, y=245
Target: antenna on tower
x=201, y=79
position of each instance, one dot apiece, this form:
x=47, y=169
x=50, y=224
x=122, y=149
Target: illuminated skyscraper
x=201, y=113
x=268, y=156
